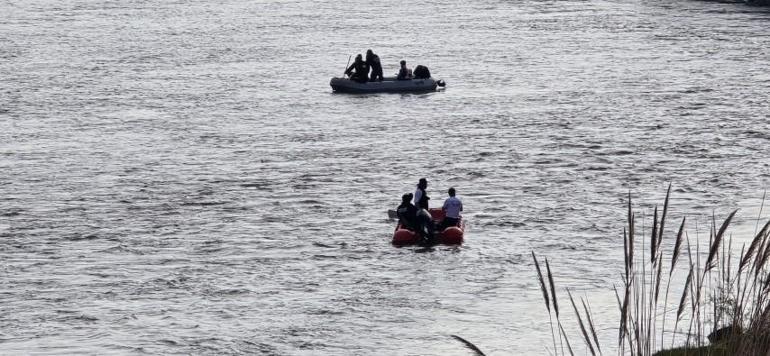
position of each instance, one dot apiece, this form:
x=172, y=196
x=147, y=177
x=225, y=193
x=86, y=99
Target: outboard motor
x=421, y=72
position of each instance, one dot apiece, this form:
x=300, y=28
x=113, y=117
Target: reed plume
x=587, y=309
x=542, y=283
x=553, y=289
x=582, y=326
x=545, y=297
x=469, y=345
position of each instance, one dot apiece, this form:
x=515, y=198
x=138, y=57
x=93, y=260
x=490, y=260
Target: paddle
x=346, y=67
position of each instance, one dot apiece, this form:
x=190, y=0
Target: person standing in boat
x=373, y=61
x=420, y=196
x=452, y=208
x=358, y=71
x=404, y=73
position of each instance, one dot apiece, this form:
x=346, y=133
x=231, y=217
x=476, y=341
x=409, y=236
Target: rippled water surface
x=176, y=177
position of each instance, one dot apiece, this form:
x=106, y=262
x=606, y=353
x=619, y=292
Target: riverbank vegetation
x=720, y=300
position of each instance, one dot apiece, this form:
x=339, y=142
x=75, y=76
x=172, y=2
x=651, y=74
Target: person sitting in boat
x=452, y=208
x=407, y=212
x=358, y=71
x=373, y=61
x=421, y=72
x=420, y=196
x=404, y=73
x=427, y=228
x=415, y=219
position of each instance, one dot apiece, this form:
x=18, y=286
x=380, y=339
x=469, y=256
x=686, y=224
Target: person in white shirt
x=452, y=208
x=420, y=196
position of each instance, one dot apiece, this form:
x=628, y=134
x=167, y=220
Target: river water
x=176, y=177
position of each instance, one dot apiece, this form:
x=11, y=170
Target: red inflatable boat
x=452, y=235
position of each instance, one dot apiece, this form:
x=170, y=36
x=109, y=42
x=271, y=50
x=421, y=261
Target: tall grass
x=723, y=298
x=722, y=307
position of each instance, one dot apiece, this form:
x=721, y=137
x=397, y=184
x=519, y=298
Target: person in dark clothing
x=373, y=61
x=404, y=73
x=421, y=72
x=359, y=70
x=415, y=219
x=407, y=212
x=420, y=196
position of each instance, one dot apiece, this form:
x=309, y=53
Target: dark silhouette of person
x=359, y=70
x=416, y=219
x=407, y=212
x=421, y=72
x=373, y=61
x=404, y=73
x=420, y=196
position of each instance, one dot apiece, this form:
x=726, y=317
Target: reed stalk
x=674, y=258
x=556, y=306
x=545, y=298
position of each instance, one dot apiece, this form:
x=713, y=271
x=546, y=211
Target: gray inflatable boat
x=387, y=85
